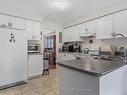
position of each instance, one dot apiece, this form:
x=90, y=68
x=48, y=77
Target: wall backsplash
x=105, y=43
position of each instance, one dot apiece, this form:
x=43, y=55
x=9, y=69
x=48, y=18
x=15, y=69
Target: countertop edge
x=91, y=73
x=80, y=70
x=35, y=53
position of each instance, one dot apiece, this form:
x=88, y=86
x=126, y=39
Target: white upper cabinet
x=12, y=22
x=91, y=26
x=104, y=27
x=120, y=20
x=65, y=35
x=76, y=31
x=37, y=30
x=29, y=29
x=89, y=29
x=17, y=23
x=3, y=21
x=33, y=29
x=73, y=33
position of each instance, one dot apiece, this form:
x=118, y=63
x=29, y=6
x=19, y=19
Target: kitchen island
x=90, y=76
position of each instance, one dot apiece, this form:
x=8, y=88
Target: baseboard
x=12, y=85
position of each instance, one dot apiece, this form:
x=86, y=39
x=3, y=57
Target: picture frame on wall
x=60, y=37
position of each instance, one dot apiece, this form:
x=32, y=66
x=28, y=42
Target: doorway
x=50, y=50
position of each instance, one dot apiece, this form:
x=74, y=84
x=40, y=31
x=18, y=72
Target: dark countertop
x=94, y=67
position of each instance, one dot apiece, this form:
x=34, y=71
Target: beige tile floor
x=45, y=85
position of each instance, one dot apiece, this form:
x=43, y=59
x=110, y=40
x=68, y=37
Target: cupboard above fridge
x=11, y=22
x=33, y=28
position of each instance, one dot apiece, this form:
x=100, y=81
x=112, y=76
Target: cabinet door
x=66, y=57
x=3, y=20
x=91, y=26
x=104, y=27
x=69, y=56
x=17, y=23
x=29, y=29
x=76, y=31
x=66, y=35
x=35, y=65
x=37, y=30
x=13, y=62
x=33, y=30
x=73, y=33
x=121, y=22
x=19, y=55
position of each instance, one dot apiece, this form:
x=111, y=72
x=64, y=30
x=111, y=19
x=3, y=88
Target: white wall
x=99, y=13
x=48, y=27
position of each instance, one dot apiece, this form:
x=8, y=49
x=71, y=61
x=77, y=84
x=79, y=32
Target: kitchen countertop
x=67, y=52
x=94, y=67
x=75, y=53
x=35, y=53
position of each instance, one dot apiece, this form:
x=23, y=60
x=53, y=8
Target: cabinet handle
x=113, y=34
x=86, y=29
x=9, y=25
x=28, y=57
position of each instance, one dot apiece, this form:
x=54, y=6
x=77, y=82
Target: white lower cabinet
x=65, y=57
x=35, y=65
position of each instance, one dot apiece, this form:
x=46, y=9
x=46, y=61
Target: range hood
x=88, y=34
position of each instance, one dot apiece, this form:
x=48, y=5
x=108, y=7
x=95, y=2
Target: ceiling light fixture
x=61, y=4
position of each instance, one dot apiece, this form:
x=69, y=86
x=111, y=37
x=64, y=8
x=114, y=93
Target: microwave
x=35, y=48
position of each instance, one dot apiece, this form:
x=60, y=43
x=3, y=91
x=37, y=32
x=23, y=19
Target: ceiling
x=50, y=12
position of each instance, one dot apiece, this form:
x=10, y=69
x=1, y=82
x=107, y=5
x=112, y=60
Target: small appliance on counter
x=85, y=50
x=67, y=47
x=77, y=47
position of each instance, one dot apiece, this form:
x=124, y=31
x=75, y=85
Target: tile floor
x=45, y=85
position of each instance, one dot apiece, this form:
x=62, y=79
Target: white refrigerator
x=13, y=57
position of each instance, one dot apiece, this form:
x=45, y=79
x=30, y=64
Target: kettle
x=85, y=51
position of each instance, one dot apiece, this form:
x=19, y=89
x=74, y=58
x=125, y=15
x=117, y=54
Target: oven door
x=33, y=49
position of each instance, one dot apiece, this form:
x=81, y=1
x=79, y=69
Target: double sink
x=104, y=57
